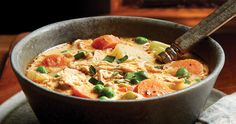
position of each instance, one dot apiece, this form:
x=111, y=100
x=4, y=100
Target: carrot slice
x=125, y=89
x=54, y=60
x=151, y=88
x=193, y=66
x=105, y=41
x=83, y=92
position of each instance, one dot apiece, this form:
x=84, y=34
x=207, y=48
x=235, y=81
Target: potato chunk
x=36, y=76
x=133, y=52
x=129, y=95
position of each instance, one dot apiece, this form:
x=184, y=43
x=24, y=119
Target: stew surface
x=113, y=68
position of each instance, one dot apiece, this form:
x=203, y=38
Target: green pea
x=182, y=73
x=141, y=40
x=103, y=98
x=98, y=88
x=42, y=69
x=108, y=92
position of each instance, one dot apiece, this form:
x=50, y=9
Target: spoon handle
x=206, y=27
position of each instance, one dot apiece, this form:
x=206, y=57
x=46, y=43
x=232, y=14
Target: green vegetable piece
x=114, y=74
x=129, y=75
x=186, y=81
x=42, y=69
x=56, y=75
x=109, y=58
x=197, y=80
x=134, y=81
x=95, y=81
x=123, y=59
x=158, y=47
x=182, y=73
x=65, y=51
x=140, y=75
x=141, y=40
x=136, y=77
x=98, y=88
x=79, y=55
x=121, y=81
x=108, y=92
x=158, y=67
x=92, y=70
x=129, y=95
x=103, y=98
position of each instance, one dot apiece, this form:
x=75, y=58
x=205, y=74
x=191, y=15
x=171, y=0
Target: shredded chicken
x=72, y=77
x=151, y=68
x=84, y=44
x=132, y=66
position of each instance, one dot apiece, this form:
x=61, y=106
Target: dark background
x=20, y=15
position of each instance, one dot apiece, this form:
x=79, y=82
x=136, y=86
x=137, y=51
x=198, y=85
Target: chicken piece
x=99, y=55
x=132, y=66
x=168, y=79
x=128, y=68
x=84, y=44
x=104, y=65
x=72, y=77
x=104, y=75
x=150, y=68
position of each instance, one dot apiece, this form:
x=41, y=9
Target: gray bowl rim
x=23, y=41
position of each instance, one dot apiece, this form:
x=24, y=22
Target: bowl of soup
x=106, y=70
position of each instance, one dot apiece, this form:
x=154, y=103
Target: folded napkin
x=221, y=112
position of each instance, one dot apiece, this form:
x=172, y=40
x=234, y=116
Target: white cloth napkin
x=221, y=112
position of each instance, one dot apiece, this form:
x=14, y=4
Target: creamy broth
x=113, y=68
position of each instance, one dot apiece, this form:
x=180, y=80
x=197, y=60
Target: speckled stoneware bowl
x=181, y=107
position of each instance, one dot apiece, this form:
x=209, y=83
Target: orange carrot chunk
x=151, y=88
x=125, y=89
x=54, y=60
x=193, y=66
x=105, y=41
x=83, y=92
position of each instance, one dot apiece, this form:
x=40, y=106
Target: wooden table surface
x=9, y=85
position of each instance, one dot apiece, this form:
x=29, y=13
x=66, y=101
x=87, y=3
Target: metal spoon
x=206, y=27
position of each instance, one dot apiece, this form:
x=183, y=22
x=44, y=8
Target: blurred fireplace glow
x=173, y=3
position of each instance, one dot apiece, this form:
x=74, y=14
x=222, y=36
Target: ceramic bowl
x=181, y=107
